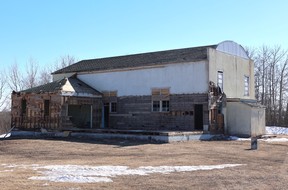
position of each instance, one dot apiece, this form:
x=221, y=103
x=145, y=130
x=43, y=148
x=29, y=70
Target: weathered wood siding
x=34, y=117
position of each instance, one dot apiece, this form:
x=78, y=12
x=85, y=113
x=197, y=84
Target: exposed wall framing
x=32, y=111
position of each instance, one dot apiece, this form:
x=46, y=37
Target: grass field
x=121, y=164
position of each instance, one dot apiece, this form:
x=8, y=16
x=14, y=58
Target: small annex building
x=207, y=88
x=61, y=104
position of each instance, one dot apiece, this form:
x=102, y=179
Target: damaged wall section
x=51, y=111
x=136, y=112
x=30, y=111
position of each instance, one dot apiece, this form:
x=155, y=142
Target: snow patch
x=273, y=130
x=277, y=140
x=94, y=174
x=234, y=138
x=5, y=135
x=265, y=140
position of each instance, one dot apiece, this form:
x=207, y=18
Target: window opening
x=220, y=80
x=113, y=107
x=246, y=86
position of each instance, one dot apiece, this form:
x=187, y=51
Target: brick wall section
x=134, y=112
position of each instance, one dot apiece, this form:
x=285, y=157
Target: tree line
x=271, y=82
x=16, y=79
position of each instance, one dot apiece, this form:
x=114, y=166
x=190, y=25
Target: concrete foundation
x=162, y=137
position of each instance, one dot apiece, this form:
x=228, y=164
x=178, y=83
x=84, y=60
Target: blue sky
x=47, y=29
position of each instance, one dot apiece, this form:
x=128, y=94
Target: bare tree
x=45, y=76
x=4, y=105
x=31, y=73
x=64, y=61
x=15, y=78
x=271, y=80
x=3, y=93
x=282, y=89
x=286, y=116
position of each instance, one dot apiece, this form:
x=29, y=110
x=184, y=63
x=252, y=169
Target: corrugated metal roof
x=139, y=60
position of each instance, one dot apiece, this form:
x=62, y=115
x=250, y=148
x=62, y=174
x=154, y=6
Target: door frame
x=198, y=117
x=106, y=115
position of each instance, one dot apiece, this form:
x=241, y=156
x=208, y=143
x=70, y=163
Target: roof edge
x=150, y=55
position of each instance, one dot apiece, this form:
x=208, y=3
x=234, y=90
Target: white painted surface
x=181, y=78
x=232, y=48
x=67, y=87
x=68, y=90
x=65, y=93
x=234, y=69
x=245, y=120
x=238, y=119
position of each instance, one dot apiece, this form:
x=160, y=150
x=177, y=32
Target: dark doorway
x=46, y=108
x=198, y=117
x=80, y=115
x=23, y=107
x=106, y=115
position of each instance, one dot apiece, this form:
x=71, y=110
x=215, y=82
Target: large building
x=208, y=88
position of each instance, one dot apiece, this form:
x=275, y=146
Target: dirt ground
x=265, y=168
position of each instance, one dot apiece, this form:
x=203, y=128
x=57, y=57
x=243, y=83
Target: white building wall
x=184, y=78
x=238, y=119
x=258, y=121
x=234, y=69
x=245, y=120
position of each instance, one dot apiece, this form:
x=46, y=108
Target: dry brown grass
x=266, y=168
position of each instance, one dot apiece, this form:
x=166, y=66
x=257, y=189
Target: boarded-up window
x=46, y=107
x=160, y=91
x=109, y=93
x=156, y=92
x=165, y=91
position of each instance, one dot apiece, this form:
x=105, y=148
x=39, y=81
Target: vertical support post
x=91, y=117
x=254, y=143
x=103, y=117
